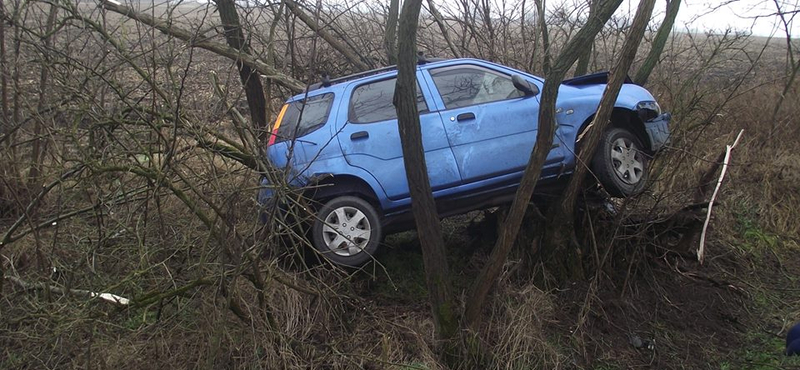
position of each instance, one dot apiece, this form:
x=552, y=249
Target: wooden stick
x=728, y=148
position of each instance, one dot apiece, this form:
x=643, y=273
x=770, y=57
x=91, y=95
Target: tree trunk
x=486, y=14
x=4, y=124
x=254, y=91
x=658, y=43
x=37, y=145
x=20, y=12
x=544, y=141
x=583, y=61
x=560, y=230
x=437, y=274
x=390, y=35
x=540, y=6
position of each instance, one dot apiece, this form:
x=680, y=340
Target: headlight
x=648, y=110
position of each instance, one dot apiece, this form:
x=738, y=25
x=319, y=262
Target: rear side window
x=373, y=102
x=301, y=117
x=463, y=86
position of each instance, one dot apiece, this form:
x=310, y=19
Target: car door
x=370, y=139
x=490, y=125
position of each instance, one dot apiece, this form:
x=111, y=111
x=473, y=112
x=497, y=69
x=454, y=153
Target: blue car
x=340, y=141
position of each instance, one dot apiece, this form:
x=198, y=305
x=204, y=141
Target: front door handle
x=359, y=135
x=465, y=116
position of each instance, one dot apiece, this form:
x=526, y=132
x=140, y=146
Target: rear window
x=373, y=102
x=302, y=117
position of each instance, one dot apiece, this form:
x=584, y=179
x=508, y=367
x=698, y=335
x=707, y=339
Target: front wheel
x=620, y=163
x=347, y=231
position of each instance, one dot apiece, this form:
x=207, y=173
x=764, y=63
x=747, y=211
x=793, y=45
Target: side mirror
x=523, y=85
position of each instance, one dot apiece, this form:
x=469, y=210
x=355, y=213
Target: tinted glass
x=373, y=102
x=301, y=119
x=463, y=86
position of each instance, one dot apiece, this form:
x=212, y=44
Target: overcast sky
x=696, y=15
x=717, y=15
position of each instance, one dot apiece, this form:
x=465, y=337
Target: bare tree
x=358, y=61
x=440, y=21
x=3, y=70
x=437, y=274
x=390, y=35
x=540, y=8
x=38, y=144
x=544, y=141
x=586, y=55
x=254, y=90
x=201, y=41
x=657, y=47
x=786, y=17
x=560, y=228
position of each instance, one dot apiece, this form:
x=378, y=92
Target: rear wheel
x=347, y=231
x=620, y=163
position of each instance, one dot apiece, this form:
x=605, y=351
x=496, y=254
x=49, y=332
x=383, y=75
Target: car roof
x=327, y=85
x=332, y=85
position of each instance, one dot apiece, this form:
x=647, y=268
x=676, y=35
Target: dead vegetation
x=147, y=165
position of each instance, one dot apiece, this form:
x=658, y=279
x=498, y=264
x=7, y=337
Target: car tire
x=347, y=231
x=620, y=163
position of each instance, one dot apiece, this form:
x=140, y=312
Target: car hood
x=629, y=96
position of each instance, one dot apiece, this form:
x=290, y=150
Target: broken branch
x=108, y=297
x=728, y=148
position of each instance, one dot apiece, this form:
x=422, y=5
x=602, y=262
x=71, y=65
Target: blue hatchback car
x=340, y=141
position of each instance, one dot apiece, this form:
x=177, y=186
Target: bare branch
x=201, y=42
x=336, y=44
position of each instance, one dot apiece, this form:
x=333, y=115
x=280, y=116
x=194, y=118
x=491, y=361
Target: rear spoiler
x=592, y=79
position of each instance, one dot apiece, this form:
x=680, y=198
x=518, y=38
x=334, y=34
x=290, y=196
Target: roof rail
x=325, y=80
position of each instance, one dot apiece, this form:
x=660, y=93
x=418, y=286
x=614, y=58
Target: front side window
x=373, y=102
x=463, y=86
x=301, y=117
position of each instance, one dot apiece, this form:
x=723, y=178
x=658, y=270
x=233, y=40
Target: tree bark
x=540, y=6
x=437, y=274
x=544, y=141
x=253, y=89
x=583, y=61
x=347, y=52
x=560, y=230
x=390, y=35
x=643, y=74
x=4, y=124
x=37, y=145
x=200, y=41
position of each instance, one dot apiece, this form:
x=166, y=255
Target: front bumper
x=658, y=131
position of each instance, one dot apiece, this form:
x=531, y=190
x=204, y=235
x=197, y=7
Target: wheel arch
x=328, y=186
x=625, y=118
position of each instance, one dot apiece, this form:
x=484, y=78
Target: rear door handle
x=359, y=135
x=465, y=116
